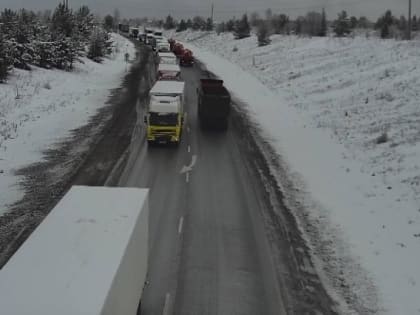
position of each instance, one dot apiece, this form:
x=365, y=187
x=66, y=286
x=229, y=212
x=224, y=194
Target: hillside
x=343, y=116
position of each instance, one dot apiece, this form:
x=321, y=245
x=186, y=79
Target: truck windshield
x=159, y=119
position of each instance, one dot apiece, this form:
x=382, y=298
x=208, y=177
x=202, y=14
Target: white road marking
x=166, y=305
x=187, y=177
x=181, y=222
x=188, y=129
x=189, y=149
x=189, y=167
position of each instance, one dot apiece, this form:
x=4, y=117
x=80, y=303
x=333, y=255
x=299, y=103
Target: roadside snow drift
x=88, y=256
x=345, y=116
x=38, y=108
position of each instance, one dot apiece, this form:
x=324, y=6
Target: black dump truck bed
x=213, y=104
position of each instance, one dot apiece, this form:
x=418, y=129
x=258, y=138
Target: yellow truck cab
x=165, y=115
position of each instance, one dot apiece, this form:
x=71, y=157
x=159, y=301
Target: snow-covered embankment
x=38, y=108
x=344, y=115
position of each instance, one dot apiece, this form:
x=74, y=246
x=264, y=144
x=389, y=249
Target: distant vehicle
x=124, y=28
x=163, y=47
x=150, y=39
x=187, y=58
x=165, y=116
x=158, y=33
x=142, y=37
x=167, y=58
x=178, y=49
x=148, y=31
x=134, y=32
x=168, y=72
x=213, y=104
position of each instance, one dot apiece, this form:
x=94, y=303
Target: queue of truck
x=165, y=115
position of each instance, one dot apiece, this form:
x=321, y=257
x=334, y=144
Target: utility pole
x=409, y=21
x=212, y=11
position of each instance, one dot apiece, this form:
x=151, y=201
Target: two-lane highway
x=208, y=255
x=209, y=247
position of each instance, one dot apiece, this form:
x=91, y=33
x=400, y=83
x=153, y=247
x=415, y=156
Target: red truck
x=178, y=49
x=187, y=58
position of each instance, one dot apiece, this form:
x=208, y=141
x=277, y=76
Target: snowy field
x=39, y=108
x=323, y=103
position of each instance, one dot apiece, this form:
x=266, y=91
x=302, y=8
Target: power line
x=409, y=20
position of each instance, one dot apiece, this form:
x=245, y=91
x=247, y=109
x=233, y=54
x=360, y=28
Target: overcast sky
x=223, y=8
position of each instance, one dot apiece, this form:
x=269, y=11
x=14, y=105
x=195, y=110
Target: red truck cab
x=178, y=49
x=187, y=58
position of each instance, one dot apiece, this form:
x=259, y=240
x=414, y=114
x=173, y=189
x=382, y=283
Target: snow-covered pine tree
x=198, y=23
x=84, y=23
x=5, y=61
x=263, y=34
x=44, y=54
x=323, y=30
x=169, y=23
x=230, y=25
x=99, y=45
x=312, y=23
x=242, y=28
x=62, y=21
x=182, y=26
x=278, y=23
x=209, y=24
x=108, y=22
x=342, y=24
x=384, y=24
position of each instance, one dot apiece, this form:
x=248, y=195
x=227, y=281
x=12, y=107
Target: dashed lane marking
x=181, y=223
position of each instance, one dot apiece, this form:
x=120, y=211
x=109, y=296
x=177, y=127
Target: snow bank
x=88, y=256
x=326, y=104
x=38, y=108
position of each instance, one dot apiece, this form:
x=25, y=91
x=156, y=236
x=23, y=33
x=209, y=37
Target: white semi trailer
x=88, y=257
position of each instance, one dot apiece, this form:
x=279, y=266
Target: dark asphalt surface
x=215, y=261
x=211, y=251
x=212, y=262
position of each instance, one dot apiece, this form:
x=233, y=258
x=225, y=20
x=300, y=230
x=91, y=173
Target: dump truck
x=88, y=256
x=187, y=58
x=214, y=104
x=165, y=115
x=168, y=72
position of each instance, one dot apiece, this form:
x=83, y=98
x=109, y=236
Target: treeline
x=49, y=39
x=312, y=24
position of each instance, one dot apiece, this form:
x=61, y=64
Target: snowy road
x=210, y=249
